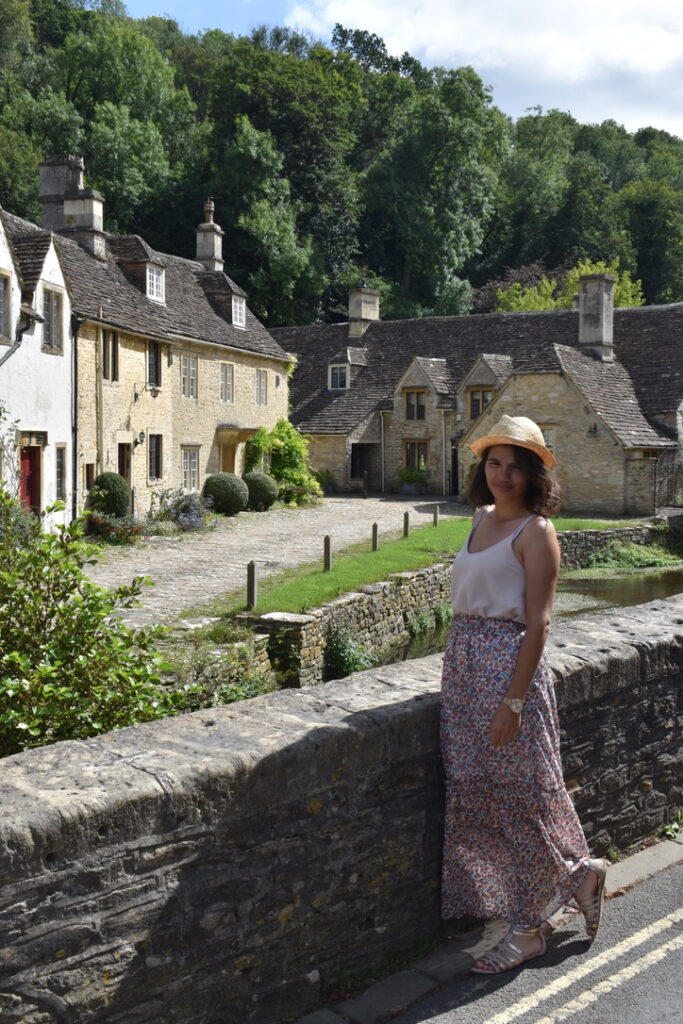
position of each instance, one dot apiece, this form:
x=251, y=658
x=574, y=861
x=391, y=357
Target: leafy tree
x=559, y=294
x=126, y=161
x=653, y=214
x=69, y=668
x=427, y=195
x=618, y=154
x=272, y=261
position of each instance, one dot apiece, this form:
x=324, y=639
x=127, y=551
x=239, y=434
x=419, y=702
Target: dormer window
x=156, y=284
x=339, y=377
x=239, y=311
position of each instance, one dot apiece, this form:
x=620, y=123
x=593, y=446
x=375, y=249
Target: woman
x=513, y=846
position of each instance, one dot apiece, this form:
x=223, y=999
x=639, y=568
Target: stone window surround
x=155, y=456
x=414, y=405
x=156, y=283
x=420, y=459
x=153, y=374
x=261, y=387
x=189, y=376
x=53, y=321
x=239, y=312
x=228, y=382
x=548, y=435
x=60, y=471
x=109, y=353
x=331, y=374
x=190, y=467
x=477, y=399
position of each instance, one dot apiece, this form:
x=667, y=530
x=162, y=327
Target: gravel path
x=191, y=570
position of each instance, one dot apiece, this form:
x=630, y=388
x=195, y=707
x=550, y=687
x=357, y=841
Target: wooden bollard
x=406, y=523
x=375, y=537
x=252, y=586
x=327, y=554
x=436, y=515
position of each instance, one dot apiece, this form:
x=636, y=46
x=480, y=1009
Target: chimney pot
x=363, y=309
x=209, y=239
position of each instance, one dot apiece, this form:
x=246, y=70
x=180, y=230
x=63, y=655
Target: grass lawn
x=307, y=586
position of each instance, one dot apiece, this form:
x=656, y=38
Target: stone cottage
x=36, y=369
x=400, y=400
x=173, y=372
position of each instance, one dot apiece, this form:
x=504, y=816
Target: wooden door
x=30, y=478
x=124, y=462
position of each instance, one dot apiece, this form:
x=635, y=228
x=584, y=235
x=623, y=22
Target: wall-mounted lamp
x=592, y=431
x=140, y=439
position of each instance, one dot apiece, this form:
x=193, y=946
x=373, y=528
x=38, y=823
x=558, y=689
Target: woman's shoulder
x=540, y=534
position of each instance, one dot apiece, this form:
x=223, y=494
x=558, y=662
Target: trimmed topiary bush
x=228, y=493
x=110, y=495
x=263, y=490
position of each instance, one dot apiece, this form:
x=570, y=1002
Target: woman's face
x=505, y=477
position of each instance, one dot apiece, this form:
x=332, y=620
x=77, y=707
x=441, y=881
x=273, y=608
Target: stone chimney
x=596, y=315
x=363, y=309
x=209, y=240
x=67, y=207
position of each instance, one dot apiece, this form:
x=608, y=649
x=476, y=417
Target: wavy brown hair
x=542, y=489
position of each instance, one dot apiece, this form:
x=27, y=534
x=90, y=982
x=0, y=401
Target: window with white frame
x=4, y=306
x=52, y=320
x=261, y=386
x=188, y=376
x=155, y=469
x=239, y=311
x=190, y=469
x=156, y=283
x=60, y=472
x=339, y=375
x=227, y=382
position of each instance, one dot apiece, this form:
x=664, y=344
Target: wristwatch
x=514, y=703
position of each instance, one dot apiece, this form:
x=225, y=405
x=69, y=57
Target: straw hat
x=519, y=430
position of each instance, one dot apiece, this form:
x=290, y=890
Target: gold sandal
x=591, y=908
x=506, y=955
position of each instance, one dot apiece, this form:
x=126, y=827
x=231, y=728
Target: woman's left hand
x=505, y=726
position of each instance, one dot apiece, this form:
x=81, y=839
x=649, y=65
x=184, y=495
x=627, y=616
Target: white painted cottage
x=36, y=369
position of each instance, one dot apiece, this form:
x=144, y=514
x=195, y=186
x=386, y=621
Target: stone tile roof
x=648, y=342
x=102, y=291
x=609, y=389
x=500, y=366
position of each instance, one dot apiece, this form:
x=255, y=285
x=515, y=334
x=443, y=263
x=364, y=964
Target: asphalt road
x=633, y=973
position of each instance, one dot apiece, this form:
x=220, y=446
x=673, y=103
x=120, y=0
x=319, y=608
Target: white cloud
x=617, y=59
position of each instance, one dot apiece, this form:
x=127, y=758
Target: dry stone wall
x=380, y=616
x=231, y=866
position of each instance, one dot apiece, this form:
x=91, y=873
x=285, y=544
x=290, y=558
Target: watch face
x=514, y=704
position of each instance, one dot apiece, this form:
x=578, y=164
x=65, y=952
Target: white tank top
x=491, y=582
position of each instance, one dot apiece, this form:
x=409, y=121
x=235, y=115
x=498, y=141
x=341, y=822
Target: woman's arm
x=539, y=553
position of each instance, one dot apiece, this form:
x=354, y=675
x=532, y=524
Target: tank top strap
x=521, y=526
x=475, y=525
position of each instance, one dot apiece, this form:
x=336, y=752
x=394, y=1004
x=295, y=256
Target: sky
x=597, y=59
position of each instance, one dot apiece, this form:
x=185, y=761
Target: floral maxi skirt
x=513, y=845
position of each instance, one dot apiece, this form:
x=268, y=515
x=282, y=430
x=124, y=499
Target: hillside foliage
x=330, y=161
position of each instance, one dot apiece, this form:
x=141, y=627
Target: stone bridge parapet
x=231, y=866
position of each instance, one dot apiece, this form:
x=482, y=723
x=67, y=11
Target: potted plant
x=413, y=481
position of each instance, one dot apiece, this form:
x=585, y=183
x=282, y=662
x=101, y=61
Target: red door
x=30, y=478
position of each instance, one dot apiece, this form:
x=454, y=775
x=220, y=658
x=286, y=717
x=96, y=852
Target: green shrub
x=263, y=490
x=227, y=493
x=69, y=668
x=116, y=529
x=325, y=480
x=344, y=654
x=110, y=495
x=420, y=622
x=287, y=452
x=205, y=676
x=188, y=512
x=617, y=555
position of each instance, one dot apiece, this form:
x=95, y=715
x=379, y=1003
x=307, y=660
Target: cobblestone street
x=190, y=570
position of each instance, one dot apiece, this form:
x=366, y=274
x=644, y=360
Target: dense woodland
x=329, y=162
